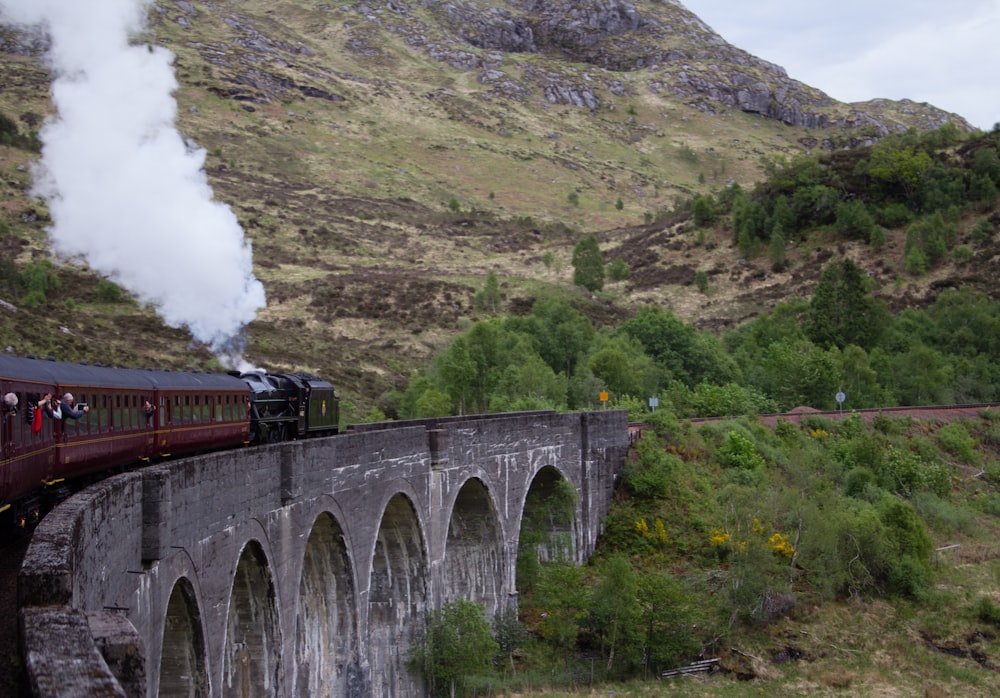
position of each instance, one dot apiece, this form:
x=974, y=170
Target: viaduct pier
x=303, y=568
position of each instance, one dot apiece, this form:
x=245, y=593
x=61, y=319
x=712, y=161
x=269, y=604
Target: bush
x=894, y=215
x=858, y=483
x=955, y=439
x=109, y=292
x=987, y=611
x=854, y=220
x=909, y=577
x=942, y=515
x=649, y=476
x=618, y=269
x=701, y=281
x=738, y=451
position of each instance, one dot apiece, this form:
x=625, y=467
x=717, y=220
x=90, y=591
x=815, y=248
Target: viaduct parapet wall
x=303, y=568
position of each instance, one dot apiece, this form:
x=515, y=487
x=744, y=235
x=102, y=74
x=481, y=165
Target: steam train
x=137, y=415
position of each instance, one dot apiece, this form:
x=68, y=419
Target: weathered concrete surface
x=299, y=568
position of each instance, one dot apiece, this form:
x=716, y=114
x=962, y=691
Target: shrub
x=109, y=291
x=955, y=439
x=618, y=269
x=649, y=476
x=701, y=281
x=987, y=611
x=962, y=254
x=981, y=230
x=909, y=577
x=858, y=483
x=854, y=220
x=942, y=515
x=738, y=451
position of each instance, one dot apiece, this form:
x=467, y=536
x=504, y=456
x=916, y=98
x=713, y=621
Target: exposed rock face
x=680, y=52
x=524, y=49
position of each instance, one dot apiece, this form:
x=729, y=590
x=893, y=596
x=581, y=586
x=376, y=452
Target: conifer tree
x=588, y=264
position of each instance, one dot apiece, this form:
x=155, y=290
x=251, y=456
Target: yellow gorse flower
x=661, y=533
x=780, y=544
x=718, y=537
x=643, y=528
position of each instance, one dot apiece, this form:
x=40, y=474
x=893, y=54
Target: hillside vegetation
x=835, y=558
x=385, y=158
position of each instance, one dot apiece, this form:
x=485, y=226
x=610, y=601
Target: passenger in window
x=9, y=405
x=50, y=406
x=148, y=410
x=67, y=409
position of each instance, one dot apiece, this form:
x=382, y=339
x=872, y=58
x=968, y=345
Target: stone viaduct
x=304, y=568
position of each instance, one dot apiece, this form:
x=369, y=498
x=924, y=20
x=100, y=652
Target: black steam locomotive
x=117, y=417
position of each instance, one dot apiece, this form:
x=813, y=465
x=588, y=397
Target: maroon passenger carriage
x=193, y=412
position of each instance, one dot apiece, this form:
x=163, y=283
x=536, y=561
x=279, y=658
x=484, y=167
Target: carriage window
x=12, y=422
x=71, y=426
x=45, y=432
x=196, y=412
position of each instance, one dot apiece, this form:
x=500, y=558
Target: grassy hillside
x=382, y=165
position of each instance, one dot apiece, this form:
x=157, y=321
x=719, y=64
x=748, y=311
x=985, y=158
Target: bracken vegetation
x=808, y=559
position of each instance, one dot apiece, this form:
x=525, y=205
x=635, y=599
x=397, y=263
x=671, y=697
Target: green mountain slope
x=385, y=157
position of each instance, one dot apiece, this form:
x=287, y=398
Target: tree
x=854, y=220
x=667, y=615
x=488, y=297
x=614, y=608
x=782, y=216
x=689, y=356
x=561, y=591
x=900, y=169
x=456, y=643
x=776, y=249
x=561, y=335
x=509, y=633
x=623, y=366
x=588, y=264
x=842, y=311
x=703, y=211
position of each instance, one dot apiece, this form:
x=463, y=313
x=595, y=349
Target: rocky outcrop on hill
x=662, y=42
x=579, y=53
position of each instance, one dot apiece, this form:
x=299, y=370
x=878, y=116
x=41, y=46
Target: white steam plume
x=125, y=191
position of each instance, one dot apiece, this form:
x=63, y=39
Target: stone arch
x=251, y=661
x=397, y=597
x=326, y=638
x=548, y=524
x=474, y=560
x=182, y=654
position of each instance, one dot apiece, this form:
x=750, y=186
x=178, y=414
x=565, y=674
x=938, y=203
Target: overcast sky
x=945, y=53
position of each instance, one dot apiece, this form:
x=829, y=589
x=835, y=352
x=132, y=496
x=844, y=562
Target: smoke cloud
x=126, y=192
